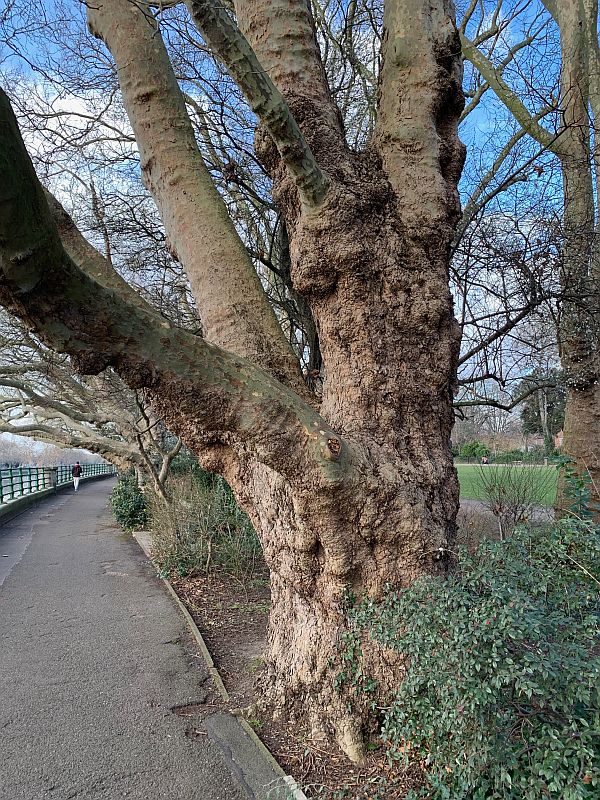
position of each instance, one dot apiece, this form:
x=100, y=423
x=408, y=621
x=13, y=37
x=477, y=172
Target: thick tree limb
x=23, y=369
x=418, y=137
x=282, y=34
x=86, y=256
x=234, y=310
x=187, y=378
x=551, y=7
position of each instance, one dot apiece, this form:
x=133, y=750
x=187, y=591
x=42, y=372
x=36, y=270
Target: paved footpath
x=94, y=654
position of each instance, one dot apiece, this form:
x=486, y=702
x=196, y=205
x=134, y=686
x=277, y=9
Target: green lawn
x=469, y=489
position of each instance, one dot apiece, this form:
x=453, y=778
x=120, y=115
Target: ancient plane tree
x=352, y=489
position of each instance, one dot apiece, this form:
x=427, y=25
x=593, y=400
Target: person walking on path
x=76, y=473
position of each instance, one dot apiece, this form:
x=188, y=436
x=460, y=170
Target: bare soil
x=232, y=616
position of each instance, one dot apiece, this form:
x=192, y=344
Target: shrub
x=577, y=489
x=128, y=503
x=501, y=696
x=513, y=493
x=510, y=456
x=539, y=453
x=474, y=449
x=202, y=527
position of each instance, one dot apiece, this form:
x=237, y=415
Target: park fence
x=17, y=482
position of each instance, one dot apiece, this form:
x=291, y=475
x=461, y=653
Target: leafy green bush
x=501, y=696
x=510, y=456
x=473, y=449
x=128, y=503
x=538, y=454
x=577, y=489
x=201, y=528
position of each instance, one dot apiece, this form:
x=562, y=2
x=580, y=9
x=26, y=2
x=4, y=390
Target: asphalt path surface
x=94, y=655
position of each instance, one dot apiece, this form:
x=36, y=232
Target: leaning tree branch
x=234, y=310
x=44, y=402
x=23, y=369
x=114, y=450
x=228, y=398
x=57, y=420
x=507, y=96
x=234, y=50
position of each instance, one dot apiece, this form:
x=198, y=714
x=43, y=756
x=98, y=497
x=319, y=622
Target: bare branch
x=529, y=122
x=478, y=200
x=265, y=99
x=516, y=401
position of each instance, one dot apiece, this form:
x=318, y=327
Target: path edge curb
x=296, y=793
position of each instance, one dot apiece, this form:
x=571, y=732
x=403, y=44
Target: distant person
x=485, y=460
x=76, y=473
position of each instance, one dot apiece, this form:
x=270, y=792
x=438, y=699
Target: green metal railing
x=18, y=481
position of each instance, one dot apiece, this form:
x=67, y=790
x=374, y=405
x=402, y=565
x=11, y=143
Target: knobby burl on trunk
x=352, y=492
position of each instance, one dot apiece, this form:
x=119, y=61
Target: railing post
x=53, y=477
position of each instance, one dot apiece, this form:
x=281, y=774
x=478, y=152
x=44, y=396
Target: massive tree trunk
x=361, y=493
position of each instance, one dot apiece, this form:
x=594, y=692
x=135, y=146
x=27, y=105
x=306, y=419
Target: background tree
x=43, y=399
x=557, y=108
x=543, y=412
x=506, y=289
